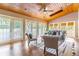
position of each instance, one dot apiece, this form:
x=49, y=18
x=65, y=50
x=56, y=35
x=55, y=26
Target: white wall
x=67, y=18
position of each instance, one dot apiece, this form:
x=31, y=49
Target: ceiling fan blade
x=42, y=6
x=48, y=10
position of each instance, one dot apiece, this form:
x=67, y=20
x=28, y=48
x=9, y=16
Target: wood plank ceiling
x=36, y=10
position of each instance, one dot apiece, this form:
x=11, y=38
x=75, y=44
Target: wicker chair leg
x=57, y=52
x=36, y=42
x=28, y=43
x=44, y=51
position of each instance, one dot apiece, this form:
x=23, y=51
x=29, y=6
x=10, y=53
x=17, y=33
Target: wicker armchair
x=51, y=42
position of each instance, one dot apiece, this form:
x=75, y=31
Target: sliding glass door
x=11, y=28
x=18, y=29
x=4, y=29
x=42, y=29
x=28, y=27
x=35, y=28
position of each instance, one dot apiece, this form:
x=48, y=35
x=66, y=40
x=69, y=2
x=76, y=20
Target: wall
x=67, y=18
x=78, y=24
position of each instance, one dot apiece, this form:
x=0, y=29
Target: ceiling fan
x=44, y=9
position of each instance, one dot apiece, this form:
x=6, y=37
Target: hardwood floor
x=18, y=49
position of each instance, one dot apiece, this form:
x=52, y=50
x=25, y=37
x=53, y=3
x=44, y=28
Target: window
x=50, y=26
x=71, y=29
x=56, y=26
x=63, y=26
